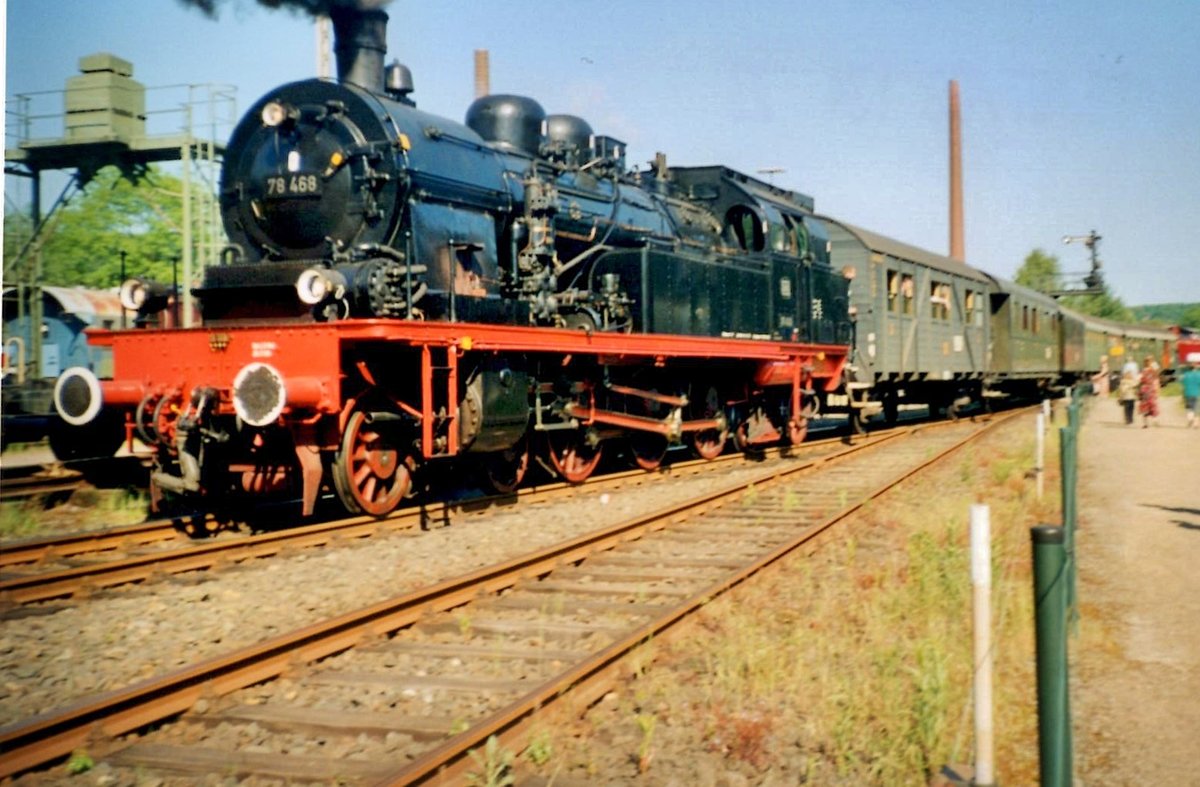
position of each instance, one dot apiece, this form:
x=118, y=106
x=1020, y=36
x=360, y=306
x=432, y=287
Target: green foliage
x=82, y=243
x=495, y=763
x=80, y=762
x=1108, y=306
x=646, y=723
x=18, y=520
x=1186, y=314
x=1040, y=271
x=540, y=748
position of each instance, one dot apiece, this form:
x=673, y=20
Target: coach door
x=903, y=339
x=974, y=327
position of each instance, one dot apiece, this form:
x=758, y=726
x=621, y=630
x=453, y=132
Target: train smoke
x=313, y=7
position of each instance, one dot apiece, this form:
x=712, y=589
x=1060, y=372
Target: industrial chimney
x=957, y=247
x=482, y=74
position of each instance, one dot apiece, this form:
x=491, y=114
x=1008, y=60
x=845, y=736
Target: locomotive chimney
x=360, y=42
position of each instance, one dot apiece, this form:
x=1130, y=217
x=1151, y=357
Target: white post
x=1040, y=467
x=981, y=583
x=1046, y=411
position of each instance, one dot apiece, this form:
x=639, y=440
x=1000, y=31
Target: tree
x=1106, y=305
x=1191, y=317
x=82, y=244
x=1040, y=272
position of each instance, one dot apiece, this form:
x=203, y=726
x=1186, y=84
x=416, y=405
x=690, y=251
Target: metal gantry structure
x=105, y=118
x=1092, y=281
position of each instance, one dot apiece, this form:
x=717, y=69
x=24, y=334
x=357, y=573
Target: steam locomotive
x=404, y=295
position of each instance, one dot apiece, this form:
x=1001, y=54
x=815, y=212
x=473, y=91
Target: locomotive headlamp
x=316, y=285
x=132, y=294
x=274, y=113
x=143, y=296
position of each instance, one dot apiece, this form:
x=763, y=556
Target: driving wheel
x=648, y=450
x=369, y=473
x=709, y=443
x=571, y=455
x=506, y=469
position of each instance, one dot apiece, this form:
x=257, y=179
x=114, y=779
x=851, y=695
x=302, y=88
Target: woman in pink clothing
x=1148, y=392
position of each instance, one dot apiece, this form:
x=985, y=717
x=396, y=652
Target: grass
x=852, y=665
x=85, y=509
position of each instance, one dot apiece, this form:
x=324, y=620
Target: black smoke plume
x=312, y=7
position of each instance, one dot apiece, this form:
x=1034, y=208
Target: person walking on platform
x=1127, y=394
x=1100, y=381
x=1191, y=394
x=1148, y=392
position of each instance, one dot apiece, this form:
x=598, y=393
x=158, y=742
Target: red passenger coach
x=365, y=406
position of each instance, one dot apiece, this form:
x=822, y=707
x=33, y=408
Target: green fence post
x=1068, y=441
x=1050, y=608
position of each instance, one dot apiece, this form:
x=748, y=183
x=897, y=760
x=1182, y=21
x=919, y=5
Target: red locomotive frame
x=321, y=376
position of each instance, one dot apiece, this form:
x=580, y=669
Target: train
x=932, y=330
x=28, y=387
x=405, y=298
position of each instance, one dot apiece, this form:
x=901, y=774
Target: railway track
x=82, y=563
x=53, y=480
x=41, y=485
x=420, y=680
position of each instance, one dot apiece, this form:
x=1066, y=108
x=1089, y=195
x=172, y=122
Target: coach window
x=1025, y=318
x=939, y=300
x=907, y=291
x=893, y=282
x=1034, y=328
x=969, y=308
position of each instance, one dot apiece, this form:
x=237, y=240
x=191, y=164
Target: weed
x=80, y=762
x=791, y=500
x=464, y=624
x=496, y=764
x=18, y=520
x=930, y=702
x=539, y=751
x=646, y=723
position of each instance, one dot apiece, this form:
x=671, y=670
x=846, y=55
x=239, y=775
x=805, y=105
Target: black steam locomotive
x=402, y=292
x=349, y=196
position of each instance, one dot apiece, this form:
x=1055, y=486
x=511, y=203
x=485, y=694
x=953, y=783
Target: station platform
x=1135, y=665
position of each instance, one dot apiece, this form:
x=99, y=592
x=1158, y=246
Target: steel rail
x=28, y=744
x=34, y=486
x=586, y=681
x=66, y=582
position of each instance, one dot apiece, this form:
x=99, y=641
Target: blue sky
x=1076, y=115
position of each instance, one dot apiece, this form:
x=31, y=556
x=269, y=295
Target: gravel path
x=53, y=653
x=1136, y=664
